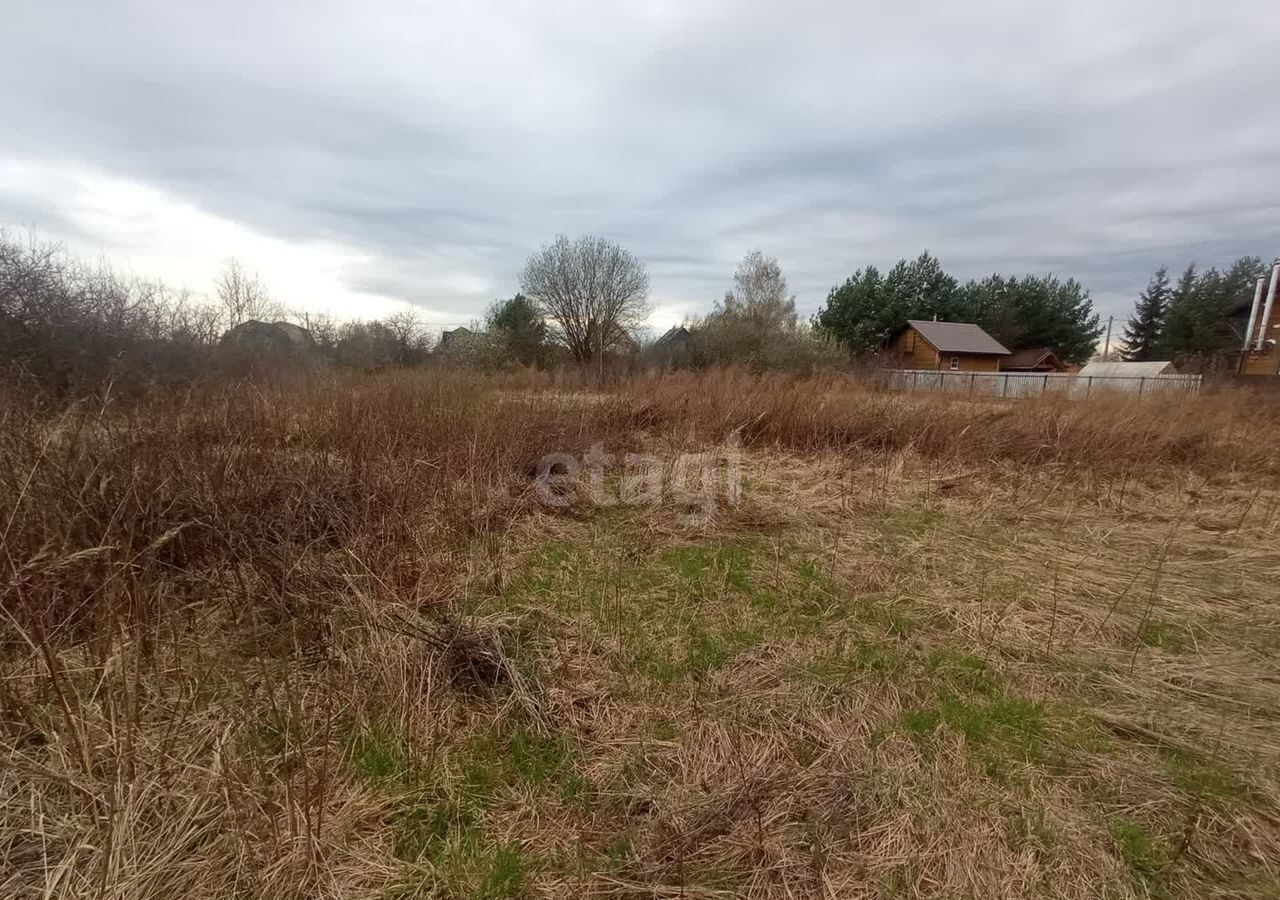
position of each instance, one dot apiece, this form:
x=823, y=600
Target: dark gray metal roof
x=1030, y=358
x=958, y=337
x=674, y=333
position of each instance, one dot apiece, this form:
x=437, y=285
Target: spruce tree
x=1180, y=317
x=1143, y=330
x=1198, y=321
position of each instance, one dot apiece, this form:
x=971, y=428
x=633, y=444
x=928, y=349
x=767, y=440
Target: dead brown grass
x=317, y=639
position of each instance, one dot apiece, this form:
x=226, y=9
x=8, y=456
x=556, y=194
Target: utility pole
x=1106, y=350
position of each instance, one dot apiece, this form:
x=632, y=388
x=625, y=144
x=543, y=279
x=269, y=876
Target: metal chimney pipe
x=1266, y=312
x=1253, y=312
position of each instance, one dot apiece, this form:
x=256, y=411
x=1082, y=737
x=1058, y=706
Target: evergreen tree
x=1031, y=311
x=1180, y=318
x=519, y=325
x=1198, y=323
x=1036, y=311
x=868, y=309
x=993, y=302
x=855, y=313
x=1142, y=332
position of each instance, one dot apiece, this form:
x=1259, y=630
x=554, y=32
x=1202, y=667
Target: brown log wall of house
x=1267, y=361
x=1264, y=363
x=917, y=353
x=973, y=362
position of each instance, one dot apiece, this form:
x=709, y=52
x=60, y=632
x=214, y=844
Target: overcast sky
x=363, y=155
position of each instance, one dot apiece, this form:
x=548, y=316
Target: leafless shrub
x=243, y=295
x=69, y=325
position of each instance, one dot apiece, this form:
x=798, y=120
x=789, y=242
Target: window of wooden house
x=955, y=363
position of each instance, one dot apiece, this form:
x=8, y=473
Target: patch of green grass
x=1173, y=637
x=1010, y=719
x=536, y=759
x=422, y=826
x=577, y=791
x=888, y=616
x=618, y=850
x=811, y=579
x=1006, y=732
x=898, y=625
x=1201, y=777
x=377, y=753
x=766, y=603
x=445, y=834
x=1140, y=852
x=707, y=650
x=481, y=776
x=665, y=657
x=955, y=672
x=801, y=600
x=465, y=864
x=907, y=524
x=496, y=761
x=566, y=576
x=707, y=571
x=505, y=876
x=864, y=660
x=655, y=663
x=921, y=722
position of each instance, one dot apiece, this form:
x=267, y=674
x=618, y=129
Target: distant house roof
x=1127, y=369
x=457, y=335
x=675, y=334
x=1034, y=359
x=298, y=335
x=958, y=337
x=283, y=336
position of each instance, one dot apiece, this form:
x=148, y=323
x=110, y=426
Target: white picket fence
x=1030, y=384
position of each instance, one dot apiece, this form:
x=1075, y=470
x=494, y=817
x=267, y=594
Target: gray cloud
x=443, y=142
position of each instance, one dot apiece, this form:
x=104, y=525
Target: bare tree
x=243, y=295
x=322, y=326
x=411, y=339
x=592, y=289
x=195, y=321
x=759, y=295
x=756, y=325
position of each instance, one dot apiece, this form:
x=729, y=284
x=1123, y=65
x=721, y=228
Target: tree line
x=1020, y=312
x=756, y=323
x=582, y=301
x=1196, y=320
x=586, y=300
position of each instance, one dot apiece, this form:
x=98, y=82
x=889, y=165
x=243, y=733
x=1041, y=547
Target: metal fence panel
x=1030, y=384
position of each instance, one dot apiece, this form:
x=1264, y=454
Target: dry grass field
x=321, y=639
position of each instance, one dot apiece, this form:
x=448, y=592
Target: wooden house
x=948, y=346
x=455, y=338
x=674, y=350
